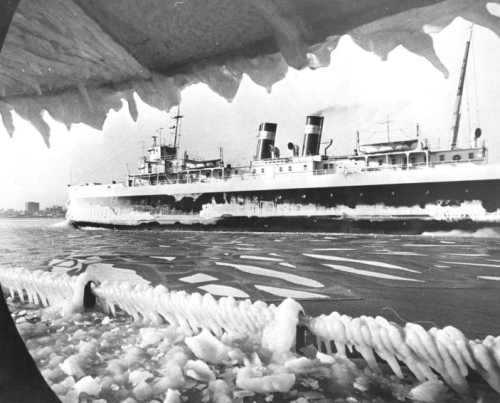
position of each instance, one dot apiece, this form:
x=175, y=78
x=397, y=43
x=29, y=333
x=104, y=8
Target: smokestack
x=267, y=134
x=312, y=136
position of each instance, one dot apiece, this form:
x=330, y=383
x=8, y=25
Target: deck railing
x=152, y=179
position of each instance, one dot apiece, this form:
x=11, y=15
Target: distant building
x=32, y=207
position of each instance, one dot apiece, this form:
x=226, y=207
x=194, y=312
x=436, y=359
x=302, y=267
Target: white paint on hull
x=82, y=209
x=298, y=180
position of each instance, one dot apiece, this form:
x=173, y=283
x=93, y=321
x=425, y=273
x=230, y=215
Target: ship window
x=236, y=172
x=393, y=161
x=457, y=157
x=281, y=169
x=380, y=162
x=305, y=167
x=471, y=156
x=325, y=166
x=441, y=158
x=170, y=165
x=253, y=171
x=262, y=170
x=289, y=169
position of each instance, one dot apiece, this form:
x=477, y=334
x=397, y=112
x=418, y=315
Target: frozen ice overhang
x=77, y=59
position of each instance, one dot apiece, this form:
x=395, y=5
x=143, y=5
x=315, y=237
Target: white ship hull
x=458, y=194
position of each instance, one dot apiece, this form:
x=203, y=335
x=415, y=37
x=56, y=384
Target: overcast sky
x=357, y=91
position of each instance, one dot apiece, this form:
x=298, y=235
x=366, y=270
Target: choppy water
x=435, y=280
x=443, y=279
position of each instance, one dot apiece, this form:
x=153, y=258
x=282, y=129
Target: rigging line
x=467, y=95
x=450, y=50
x=211, y=146
x=243, y=151
x=122, y=150
x=474, y=74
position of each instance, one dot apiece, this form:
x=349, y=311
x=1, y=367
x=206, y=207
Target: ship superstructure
x=402, y=185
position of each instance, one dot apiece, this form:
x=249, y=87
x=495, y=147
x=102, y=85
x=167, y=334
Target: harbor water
x=435, y=280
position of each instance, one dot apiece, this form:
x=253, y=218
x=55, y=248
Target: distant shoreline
x=31, y=217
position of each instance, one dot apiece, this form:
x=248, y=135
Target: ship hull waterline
x=411, y=207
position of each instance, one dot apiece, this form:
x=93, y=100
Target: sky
x=357, y=91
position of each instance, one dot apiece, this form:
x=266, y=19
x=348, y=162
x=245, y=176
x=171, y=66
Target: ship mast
x=177, y=132
x=455, y=124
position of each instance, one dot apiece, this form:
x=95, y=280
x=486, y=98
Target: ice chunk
x=143, y=392
x=247, y=379
x=220, y=392
x=137, y=377
x=173, y=379
x=88, y=385
x=208, y=348
x=173, y=396
x=199, y=371
x=279, y=335
x=71, y=367
x=150, y=337
x=428, y=391
x=135, y=355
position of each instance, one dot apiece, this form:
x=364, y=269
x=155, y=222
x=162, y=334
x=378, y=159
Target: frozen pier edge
x=207, y=323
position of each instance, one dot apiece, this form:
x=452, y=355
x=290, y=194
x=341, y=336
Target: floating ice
x=287, y=265
x=198, y=278
x=473, y=264
x=368, y=273
x=292, y=278
x=269, y=259
x=368, y=262
x=334, y=249
x=208, y=348
x=138, y=376
x=88, y=385
x=108, y=272
x=199, y=370
x=224, y=290
x=256, y=338
x=288, y=293
x=168, y=258
x=493, y=278
x=253, y=381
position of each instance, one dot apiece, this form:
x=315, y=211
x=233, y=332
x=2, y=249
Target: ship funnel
x=295, y=148
x=267, y=135
x=312, y=136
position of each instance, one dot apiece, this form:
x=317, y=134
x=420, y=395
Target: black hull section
x=400, y=195
x=400, y=208
x=309, y=224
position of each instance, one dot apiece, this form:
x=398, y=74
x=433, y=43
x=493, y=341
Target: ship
x=403, y=186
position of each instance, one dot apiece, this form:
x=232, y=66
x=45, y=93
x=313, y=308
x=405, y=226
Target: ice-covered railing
x=427, y=354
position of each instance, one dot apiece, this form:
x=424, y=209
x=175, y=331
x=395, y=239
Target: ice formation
x=77, y=60
x=235, y=348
